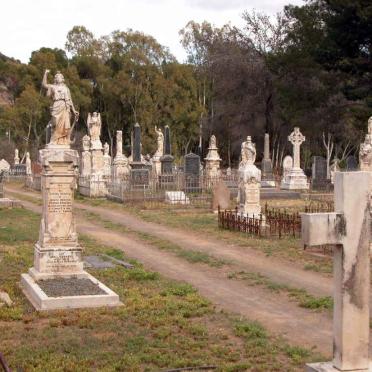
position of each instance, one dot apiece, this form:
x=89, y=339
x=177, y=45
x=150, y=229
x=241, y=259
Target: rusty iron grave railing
x=272, y=223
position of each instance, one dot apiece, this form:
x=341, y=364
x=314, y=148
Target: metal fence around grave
x=168, y=190
x=273, y=223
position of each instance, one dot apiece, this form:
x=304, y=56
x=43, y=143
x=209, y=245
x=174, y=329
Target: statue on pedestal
x=60, y=109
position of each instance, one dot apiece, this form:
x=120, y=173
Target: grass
x=301, y=296
x=205, y=224
x=163, y=323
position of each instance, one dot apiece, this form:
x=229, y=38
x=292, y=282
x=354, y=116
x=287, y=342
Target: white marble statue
x=94, y=126
x=60, y=110
x=365, y=152
x=160, y=140
x=28, y=164
x=16, y=157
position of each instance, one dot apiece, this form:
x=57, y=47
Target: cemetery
x=209, y=215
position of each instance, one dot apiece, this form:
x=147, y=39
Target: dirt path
x=243, y=258
x=299, y=326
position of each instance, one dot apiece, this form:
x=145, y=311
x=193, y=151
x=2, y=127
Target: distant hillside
x=6, y=83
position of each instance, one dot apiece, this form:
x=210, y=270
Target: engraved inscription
x=60, y=201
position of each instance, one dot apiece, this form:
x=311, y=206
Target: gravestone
x=348, y=229
x=1, y=184
x=139, y=174
x=351, y=163
x=212, y=162
x=4, y=165
x=192, y=172
x=295, y=179
x=58, y=280
x=167, y=159
x=267, y=177
x=249, y=181
x=221, y=196
x=319, y=172
x=121, y=166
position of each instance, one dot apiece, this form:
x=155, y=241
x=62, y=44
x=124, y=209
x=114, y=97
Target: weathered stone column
x=267, y=178
x=349, y=230
x=140, y=175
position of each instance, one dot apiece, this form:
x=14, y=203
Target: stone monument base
x=295, y=180
x=268, y=183
x=41, y=301
x=93, y=187
x=328, y=367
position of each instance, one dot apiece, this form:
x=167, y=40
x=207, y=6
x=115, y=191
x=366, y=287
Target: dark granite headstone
x=319, y=172
x=192, y=164
x=137, y=143
x=351, y=163
x=140, y=171
x=167, y=159
x=1, y=184
x=192, y=173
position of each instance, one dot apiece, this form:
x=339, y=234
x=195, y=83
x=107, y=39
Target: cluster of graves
x=58, y=254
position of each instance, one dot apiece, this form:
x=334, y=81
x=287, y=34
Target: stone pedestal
x=85, y=164
x=57, y=253
x=156, y=165
x=212, y=162
x=249, y=191
x=328, y=367
x=295, y=180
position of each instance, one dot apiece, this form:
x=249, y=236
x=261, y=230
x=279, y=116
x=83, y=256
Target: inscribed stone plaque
x=192, y=164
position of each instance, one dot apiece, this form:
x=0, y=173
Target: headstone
x=86, y=160
x=221, y=196
x=176, y=197
x=167, y=159
x=57, y=254
x=4, y=165
x=319, y=172
x=249, y=181
x=106, y=160
x=296, y=178
x=333, y=169
x=140, y=172
x=348, y=229
x=351, y=163
x=16, y=157
x=212, y=162
x=267, y=178
x=121, y=166
x=192, y=172
x=365, y=152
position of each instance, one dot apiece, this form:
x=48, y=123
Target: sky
x=27, y=25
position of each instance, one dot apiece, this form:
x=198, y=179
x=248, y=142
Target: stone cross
x=348, y=229
x=267, y=146
x=296, y=138
x=137, y=144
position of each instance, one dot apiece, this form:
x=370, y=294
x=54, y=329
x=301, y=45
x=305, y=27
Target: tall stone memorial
x=249, y=181
x=156, y=163
x=296, y=178
x=349, y=230
x=167, y=158
x=58, y=255
x=140, y=175
x=121, y=166
x=212, y=162
x=365, y=152
x=267, y=177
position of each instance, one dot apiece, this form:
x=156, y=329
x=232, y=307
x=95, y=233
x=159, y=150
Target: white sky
x=27, y=25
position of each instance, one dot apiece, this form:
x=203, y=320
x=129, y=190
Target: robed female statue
x=60, y=110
